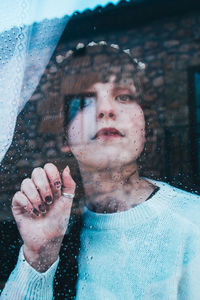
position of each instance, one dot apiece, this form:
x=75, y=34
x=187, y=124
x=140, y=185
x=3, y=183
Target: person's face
x=109, y=130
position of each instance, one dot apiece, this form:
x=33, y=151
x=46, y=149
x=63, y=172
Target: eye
x=73, y=107
x=124, y=98
x=78, y=103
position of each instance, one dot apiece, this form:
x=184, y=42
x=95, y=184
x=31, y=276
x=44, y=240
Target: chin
x=107, y=158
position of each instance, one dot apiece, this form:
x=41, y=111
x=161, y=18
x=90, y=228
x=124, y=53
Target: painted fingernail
x=57, y=185
x=48, y=200
x=42, y=208
x=36, y=212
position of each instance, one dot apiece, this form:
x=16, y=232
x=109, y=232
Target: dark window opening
x=194, y=112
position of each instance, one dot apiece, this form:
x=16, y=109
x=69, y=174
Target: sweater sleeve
x=189, y=284
x=26, y=283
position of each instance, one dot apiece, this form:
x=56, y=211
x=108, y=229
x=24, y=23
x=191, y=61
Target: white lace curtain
x=28, y=37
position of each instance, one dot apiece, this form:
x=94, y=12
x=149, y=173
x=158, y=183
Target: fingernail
x=67, y=168
x=48, y=200
x=42, y=208
x=36, y=212
x=57, y=185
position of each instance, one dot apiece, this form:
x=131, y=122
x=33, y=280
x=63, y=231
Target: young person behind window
x=140, y=238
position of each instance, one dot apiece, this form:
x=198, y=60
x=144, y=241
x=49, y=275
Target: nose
x=104, y=114
x=106, y=110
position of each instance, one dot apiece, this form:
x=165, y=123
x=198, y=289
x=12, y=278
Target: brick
x=36, y=96
x=158, y=81
x=53, y=104
x=171, y=43
x=51, y=124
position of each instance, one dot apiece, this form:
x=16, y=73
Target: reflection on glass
x=139, y=237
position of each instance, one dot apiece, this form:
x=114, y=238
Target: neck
x=111, y=190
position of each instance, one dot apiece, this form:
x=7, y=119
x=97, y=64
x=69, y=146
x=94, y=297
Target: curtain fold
x=26, y=46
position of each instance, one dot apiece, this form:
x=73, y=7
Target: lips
x=108, y=132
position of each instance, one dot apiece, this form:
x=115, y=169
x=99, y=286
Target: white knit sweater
x=149, y=252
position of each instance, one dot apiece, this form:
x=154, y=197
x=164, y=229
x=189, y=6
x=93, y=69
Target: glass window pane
x=100, y=194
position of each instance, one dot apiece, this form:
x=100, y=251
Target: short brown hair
x=92, y=64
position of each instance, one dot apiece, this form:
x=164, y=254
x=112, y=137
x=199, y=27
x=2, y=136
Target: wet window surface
x=105, y=158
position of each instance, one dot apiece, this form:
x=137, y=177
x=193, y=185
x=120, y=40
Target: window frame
x=193, y=123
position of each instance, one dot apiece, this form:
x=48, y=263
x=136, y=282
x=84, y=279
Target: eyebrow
x=120, y=89
x=79, y=95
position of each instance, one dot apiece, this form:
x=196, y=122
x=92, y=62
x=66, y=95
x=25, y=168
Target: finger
x=21, y=204
x=41, y=182
x=68, y=183
x=30, y=191
x=68, y=188
x=54, y=178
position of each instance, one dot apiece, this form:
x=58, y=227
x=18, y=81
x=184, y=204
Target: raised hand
x=42, y=214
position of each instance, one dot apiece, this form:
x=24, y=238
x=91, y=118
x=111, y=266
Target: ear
x=65, y=149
